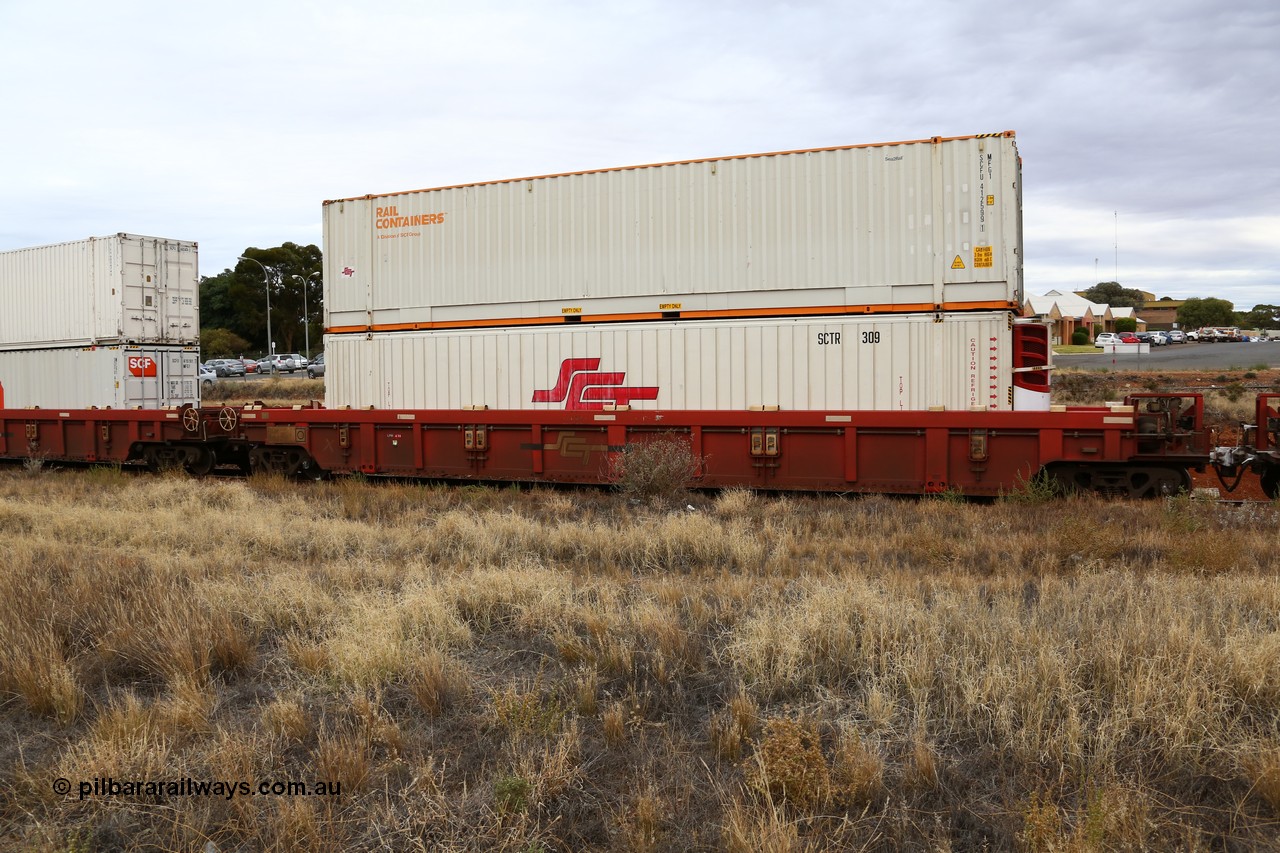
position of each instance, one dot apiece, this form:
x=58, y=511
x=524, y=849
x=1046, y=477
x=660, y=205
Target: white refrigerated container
x=904, y=227
x=883, y=362
x=119, y=377
x=118, y=289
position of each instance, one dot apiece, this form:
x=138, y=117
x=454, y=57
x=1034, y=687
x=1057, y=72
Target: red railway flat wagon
x=158, y=437
x=1141, y=448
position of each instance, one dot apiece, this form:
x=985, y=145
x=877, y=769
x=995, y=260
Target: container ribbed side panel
x=122, y=377
x=104, y=290
x=883, y=362
x=879, y=227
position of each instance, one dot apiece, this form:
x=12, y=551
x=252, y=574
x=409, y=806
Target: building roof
x=1057, y=304
x=1068, y=305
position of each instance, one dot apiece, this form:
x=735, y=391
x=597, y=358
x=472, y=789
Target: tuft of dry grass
x=1262, y=770
x=733, y=727
x=502, y=670
x=273, y=391
x=286, y=718
x=34, y=667
x=343, y=758
x=437, y=683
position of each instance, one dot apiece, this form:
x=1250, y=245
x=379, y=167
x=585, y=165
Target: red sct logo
x=581, y=386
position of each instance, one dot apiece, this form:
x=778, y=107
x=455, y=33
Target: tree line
x=1194, y=313
x=233, y=303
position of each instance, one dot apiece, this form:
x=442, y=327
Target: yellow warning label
x=957, y=264
x=991, y=201
x=981, y=256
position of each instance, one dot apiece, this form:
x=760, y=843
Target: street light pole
x=266, y=281
x=306, y=318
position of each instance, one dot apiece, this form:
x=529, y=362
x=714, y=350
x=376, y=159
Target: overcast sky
x=1149, y=131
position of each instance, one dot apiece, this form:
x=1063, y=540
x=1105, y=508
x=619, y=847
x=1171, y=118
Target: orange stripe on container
x=726, y=314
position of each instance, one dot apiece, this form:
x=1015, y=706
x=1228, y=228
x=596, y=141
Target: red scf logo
x=142, y=365
x=580, y=385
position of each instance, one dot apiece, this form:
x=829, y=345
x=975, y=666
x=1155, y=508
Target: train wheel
x=1271, y=482
x=200, y=461
x=1158, y=482
x=160, y=458
x=286, y=461
x=1121, y=480
x=259, y=461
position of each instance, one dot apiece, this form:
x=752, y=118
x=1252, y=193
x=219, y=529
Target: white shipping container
x=104, y=290
x=914, y=226
x=118, y=377
x=880, y=362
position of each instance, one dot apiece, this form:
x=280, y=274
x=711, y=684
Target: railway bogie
x=1258, y=450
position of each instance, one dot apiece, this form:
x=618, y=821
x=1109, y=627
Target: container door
x=139, y=373
x=181, y=375
x=177, y=292
x=140, y=320
x=1032, y=359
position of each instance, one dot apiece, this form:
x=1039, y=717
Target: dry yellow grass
x=488, y=669
x=274, y=391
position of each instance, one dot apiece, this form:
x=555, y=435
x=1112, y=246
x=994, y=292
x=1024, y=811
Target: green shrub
x=662, y=469
x=511, y=794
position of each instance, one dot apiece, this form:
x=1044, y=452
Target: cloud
x=231, y=124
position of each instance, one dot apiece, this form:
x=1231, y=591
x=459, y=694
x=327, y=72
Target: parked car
x=1177, y=336
x=1219, y=334
x=316, y=368
x=1156, y=339
x=250, y=366
x=227, y=367
x=1106, y=339
x=206, y=376
x=277, y=364
x=1129, y=338
x=299, y=361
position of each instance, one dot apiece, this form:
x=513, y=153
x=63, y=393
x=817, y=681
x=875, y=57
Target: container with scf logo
x=118, y=377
